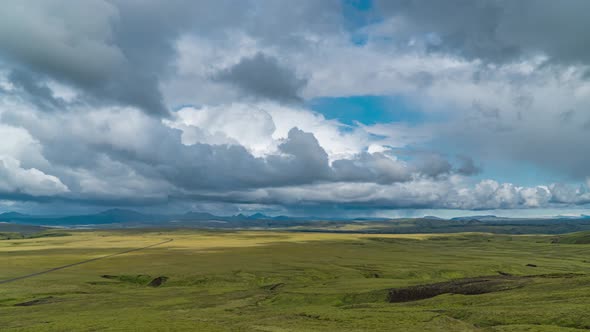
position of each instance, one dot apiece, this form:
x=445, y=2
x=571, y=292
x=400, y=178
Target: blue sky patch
x=367, y=110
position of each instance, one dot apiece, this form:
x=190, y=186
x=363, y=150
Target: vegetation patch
x=138, y=279
x=20, y=235
x=47, y=234
x=10, y=236
x=44, y=300
x=247, y=281
x=574, y=238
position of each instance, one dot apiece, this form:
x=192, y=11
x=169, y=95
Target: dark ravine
x=467, y=286
x=158, y=281
x=43, y=300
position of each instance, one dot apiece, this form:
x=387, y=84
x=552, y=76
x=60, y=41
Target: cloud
x=187, y=102
x=421, y=193
x=24, y=169
x=494, y=30
x=467, y=166
x=122, y=53
x=123, y=153
x=307, y=152
x=145, y=146
x=260, y=126
x=15, y=180
x=252, y=127
x=54, y=39
x=505, y=112
x=372, y=167
x=36, y=91
x=262, y=76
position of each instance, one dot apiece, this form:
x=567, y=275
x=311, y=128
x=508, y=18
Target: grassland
x=289, y=281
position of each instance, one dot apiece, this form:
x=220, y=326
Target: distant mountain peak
x=482, y=217
x=7, y=216
x=259, y=216
x=194, y=214
x=117, y=210
x=120, y=212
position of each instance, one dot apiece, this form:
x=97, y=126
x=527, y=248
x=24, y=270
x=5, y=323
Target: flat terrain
x=289, y=281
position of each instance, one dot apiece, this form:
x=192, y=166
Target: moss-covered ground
x=289, y=281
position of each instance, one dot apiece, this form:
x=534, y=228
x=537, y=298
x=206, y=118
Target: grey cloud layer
x=497, y=30
x=107, y=144
x=450, y=193
x=120, y=52
x=120, y=155
x=262, y=76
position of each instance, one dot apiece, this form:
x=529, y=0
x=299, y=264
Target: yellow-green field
x=289, y=281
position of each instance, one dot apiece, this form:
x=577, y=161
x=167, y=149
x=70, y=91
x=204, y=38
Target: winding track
x=80, y=263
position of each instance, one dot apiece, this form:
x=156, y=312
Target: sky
x=324, y=108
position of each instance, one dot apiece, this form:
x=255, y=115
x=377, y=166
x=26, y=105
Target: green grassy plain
x=289, y=281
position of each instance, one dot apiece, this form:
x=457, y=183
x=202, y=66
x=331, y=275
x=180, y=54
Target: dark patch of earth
x=467, y=286
x=157, y=282
x=43, y=300
x=274, y=287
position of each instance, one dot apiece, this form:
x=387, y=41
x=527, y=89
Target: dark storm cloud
x=75, y=43
x=35, y=90
x=108, y=149
x=126, y=158
x=117, y=52
x=418, y=194
x=371, y=168
x=497, y=30
x=263, y=76
x=467, y=166
x=120, y=153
